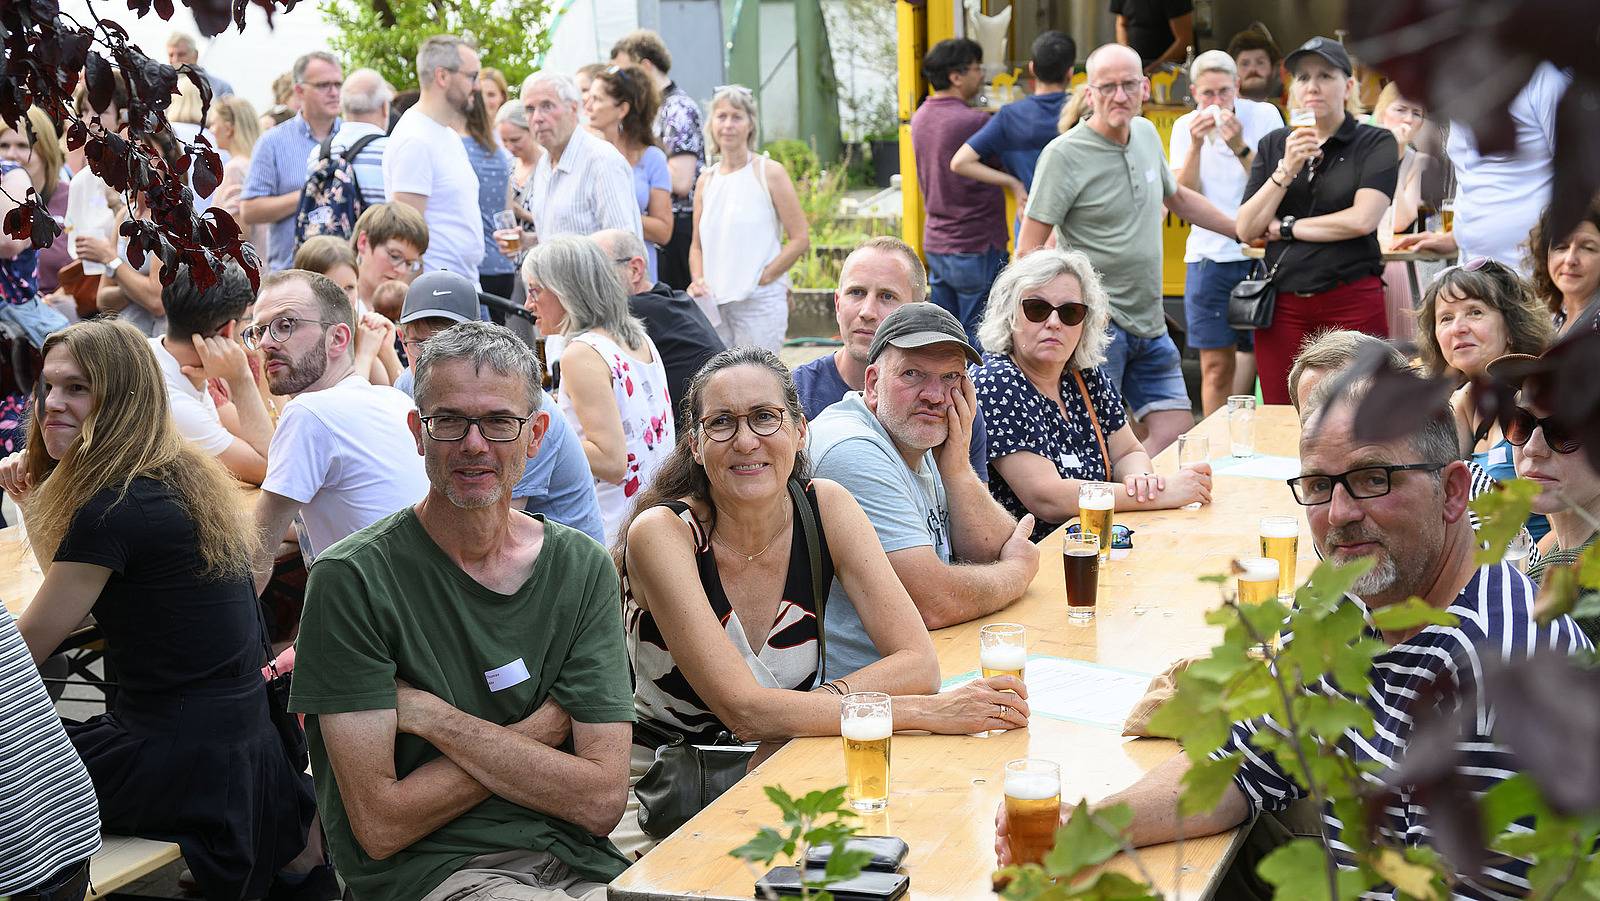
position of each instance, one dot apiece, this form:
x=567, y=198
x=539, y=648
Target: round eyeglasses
x=763, y=421
x=280, y=329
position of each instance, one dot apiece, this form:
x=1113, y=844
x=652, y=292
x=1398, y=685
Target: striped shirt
x=1496, y=618
x=46, y=799
x=590, y=189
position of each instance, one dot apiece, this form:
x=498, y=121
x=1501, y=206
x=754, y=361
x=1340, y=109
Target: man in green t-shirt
x=460, y=663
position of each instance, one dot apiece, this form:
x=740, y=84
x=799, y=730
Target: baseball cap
x=919, y=325
x=1327, y=48
x=447, y=295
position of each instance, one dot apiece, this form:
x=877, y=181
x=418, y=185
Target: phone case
x=869, y=886
x=888, y=852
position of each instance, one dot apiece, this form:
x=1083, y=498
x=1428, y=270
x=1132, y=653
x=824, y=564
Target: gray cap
x=919, y=325
x=446, y=295
x=1327, y=48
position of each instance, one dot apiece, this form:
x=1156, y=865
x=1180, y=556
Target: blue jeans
x=1147, y=371
x=960, y=282
x=1205, y=303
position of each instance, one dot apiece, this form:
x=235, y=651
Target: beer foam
x=1032, y=786
x=867, y=728
x=1276, y=528
x=1003, y=657
x=1258, y=569
x=1106, y=501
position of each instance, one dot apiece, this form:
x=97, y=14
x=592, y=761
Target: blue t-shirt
x=1498, y=463
x=1019, y=131
x=652, y=172
x=494, y=175
x=821, y=387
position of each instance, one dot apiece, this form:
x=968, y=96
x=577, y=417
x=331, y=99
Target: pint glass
x=1280, y=540
x=1003, y=650
x=1096, y=501
x=1259, y=580
x=1080, y=561
x=1193, y=449
x=1033, y=808
x=866, y=723
x=1242, y=425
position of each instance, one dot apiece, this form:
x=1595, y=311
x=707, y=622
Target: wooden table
x=123, y=859
x=944, y=789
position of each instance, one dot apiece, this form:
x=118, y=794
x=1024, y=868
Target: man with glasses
x=278, y=168
x=458, y=663
x=426, y=166
x=1402, y=505
x=1102, y=187
x=582, y=184
x=900, y=447
x=341, y=457
x=202, y=343
x=964, y=235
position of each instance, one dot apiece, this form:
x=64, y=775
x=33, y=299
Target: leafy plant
x=384, y=34
x=814, y=819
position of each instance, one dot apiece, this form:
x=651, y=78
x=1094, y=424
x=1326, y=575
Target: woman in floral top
x=1053, y=420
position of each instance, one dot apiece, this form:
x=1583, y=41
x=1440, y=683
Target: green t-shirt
x=1105, y=199
x=388, y=602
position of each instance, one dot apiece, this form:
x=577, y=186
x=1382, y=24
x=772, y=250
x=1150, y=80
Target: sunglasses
x=1520, y=429
x=1121, y=536
x=1472, y=265
x=1070, y=313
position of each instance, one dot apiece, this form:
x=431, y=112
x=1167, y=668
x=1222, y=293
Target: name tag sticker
x=1150, y=174
x=1499, y=455
x=513, y=673
x=1069, y=461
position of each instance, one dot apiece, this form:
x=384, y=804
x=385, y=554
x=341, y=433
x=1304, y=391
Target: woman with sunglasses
x=718, y=563
x=1053, y=420
x=1316, y=196
x=134, y=524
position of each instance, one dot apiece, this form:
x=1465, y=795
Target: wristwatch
x=113, y=266
x=1242, y=152
x=1286, y=228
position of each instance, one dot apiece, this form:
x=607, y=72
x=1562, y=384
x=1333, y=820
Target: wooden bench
x=123, y=859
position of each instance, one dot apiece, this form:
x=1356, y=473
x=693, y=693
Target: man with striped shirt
x=1403, y=504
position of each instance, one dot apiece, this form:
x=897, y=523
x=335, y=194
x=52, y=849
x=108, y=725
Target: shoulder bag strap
x=819, y=588
x=1094, y=420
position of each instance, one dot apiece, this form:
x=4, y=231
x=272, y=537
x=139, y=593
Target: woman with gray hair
x=1054, y=421
x=613, y=386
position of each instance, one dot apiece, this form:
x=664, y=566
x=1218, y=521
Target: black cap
x=441, y=294
x=1327, y=48
x=919, y=325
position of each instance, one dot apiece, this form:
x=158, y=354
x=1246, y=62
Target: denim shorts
x=1205, y=303
x=1147, y=371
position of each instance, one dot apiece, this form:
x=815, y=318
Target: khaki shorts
x=516, y=876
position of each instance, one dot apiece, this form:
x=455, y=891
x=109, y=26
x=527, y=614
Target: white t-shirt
x=1222, y=179
x=424, y=157
x=193, y=410
x=346, y=454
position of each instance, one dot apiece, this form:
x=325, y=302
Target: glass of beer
x=1096, y=501
x=866, y=723
x=1003, y=650
x=1080, y=560
x=1193, y=449
x=1242, y=424
x=1280, y=540
x=1033, y=808
x=506, y=232
x=1258, y=580
x=1304, y=118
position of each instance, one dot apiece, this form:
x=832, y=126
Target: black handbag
x=1251, y=302
x=290, y=732
x=686, y=777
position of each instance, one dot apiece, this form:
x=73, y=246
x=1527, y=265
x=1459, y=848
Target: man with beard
x=1257, y=58
x=425, y=165
x=341, y=457
x=468, y=721
x=1402, y=504
x=900, y=448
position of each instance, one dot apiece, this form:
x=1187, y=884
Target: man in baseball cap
x=900, y=448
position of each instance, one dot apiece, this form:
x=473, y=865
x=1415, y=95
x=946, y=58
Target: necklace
x=751, y=557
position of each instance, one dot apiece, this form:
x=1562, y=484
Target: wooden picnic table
x=944, y=790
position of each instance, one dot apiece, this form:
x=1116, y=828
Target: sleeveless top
x=787, y=659
x=739, y=231
x=19, y=275
x=648, y=431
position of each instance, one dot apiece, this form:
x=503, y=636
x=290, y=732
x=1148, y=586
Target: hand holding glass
x=1033, y=808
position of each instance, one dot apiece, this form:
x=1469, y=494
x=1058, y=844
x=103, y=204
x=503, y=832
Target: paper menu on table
x=1261, y=466
x=1076, y=691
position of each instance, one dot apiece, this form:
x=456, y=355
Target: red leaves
x=99, y=81
x=30, y=221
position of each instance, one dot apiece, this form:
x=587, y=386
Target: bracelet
x=1274, y=179
x=844, y=686
x=829, y=686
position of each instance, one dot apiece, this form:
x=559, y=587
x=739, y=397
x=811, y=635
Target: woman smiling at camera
x=1054, y=421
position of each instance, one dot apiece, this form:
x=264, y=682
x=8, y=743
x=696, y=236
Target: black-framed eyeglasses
x=763, y=421
x=280, y=329
x=1362, y=484
x=1110, y=90
x=1520, y=430
x=1070, y=313
x=1121, y=535
x=622, y=261
x=499, y=427
x=619, y=72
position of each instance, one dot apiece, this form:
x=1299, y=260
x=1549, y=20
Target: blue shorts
x=1147, y=371
x=1205, y=303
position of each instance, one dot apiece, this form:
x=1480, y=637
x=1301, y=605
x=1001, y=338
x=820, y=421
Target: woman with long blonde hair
x=142, y=529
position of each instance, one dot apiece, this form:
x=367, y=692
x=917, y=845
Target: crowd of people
x=505, y=570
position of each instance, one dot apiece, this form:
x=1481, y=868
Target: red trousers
x=1357, y=306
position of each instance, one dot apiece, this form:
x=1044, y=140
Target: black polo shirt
x=1356, y=156
x=683, y=335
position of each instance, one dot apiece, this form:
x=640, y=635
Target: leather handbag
x=290, y=731
x=686, y=777
x=1251, y=302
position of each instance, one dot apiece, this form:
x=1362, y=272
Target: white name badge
x=513, y=673
x=1499, y=455
x=1069, y=461
x=1150, y=175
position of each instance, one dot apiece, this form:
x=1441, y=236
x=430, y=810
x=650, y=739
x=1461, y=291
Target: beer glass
x=1242, y=425
x=1080, y=561
x=1003, y=650
x=1280, y=540
x=1305, y=118
x=1096, y=501
x=506, y=233
x=1193, y=448
x=1258, y=581
x=1033, y=808
x=866, y=723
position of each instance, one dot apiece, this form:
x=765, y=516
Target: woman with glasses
x=613, y=386
x=134, y=524
x=1316, y=195
x=621, y=105
x=722, y=577
x=1053, y=419
x=1566, y=269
